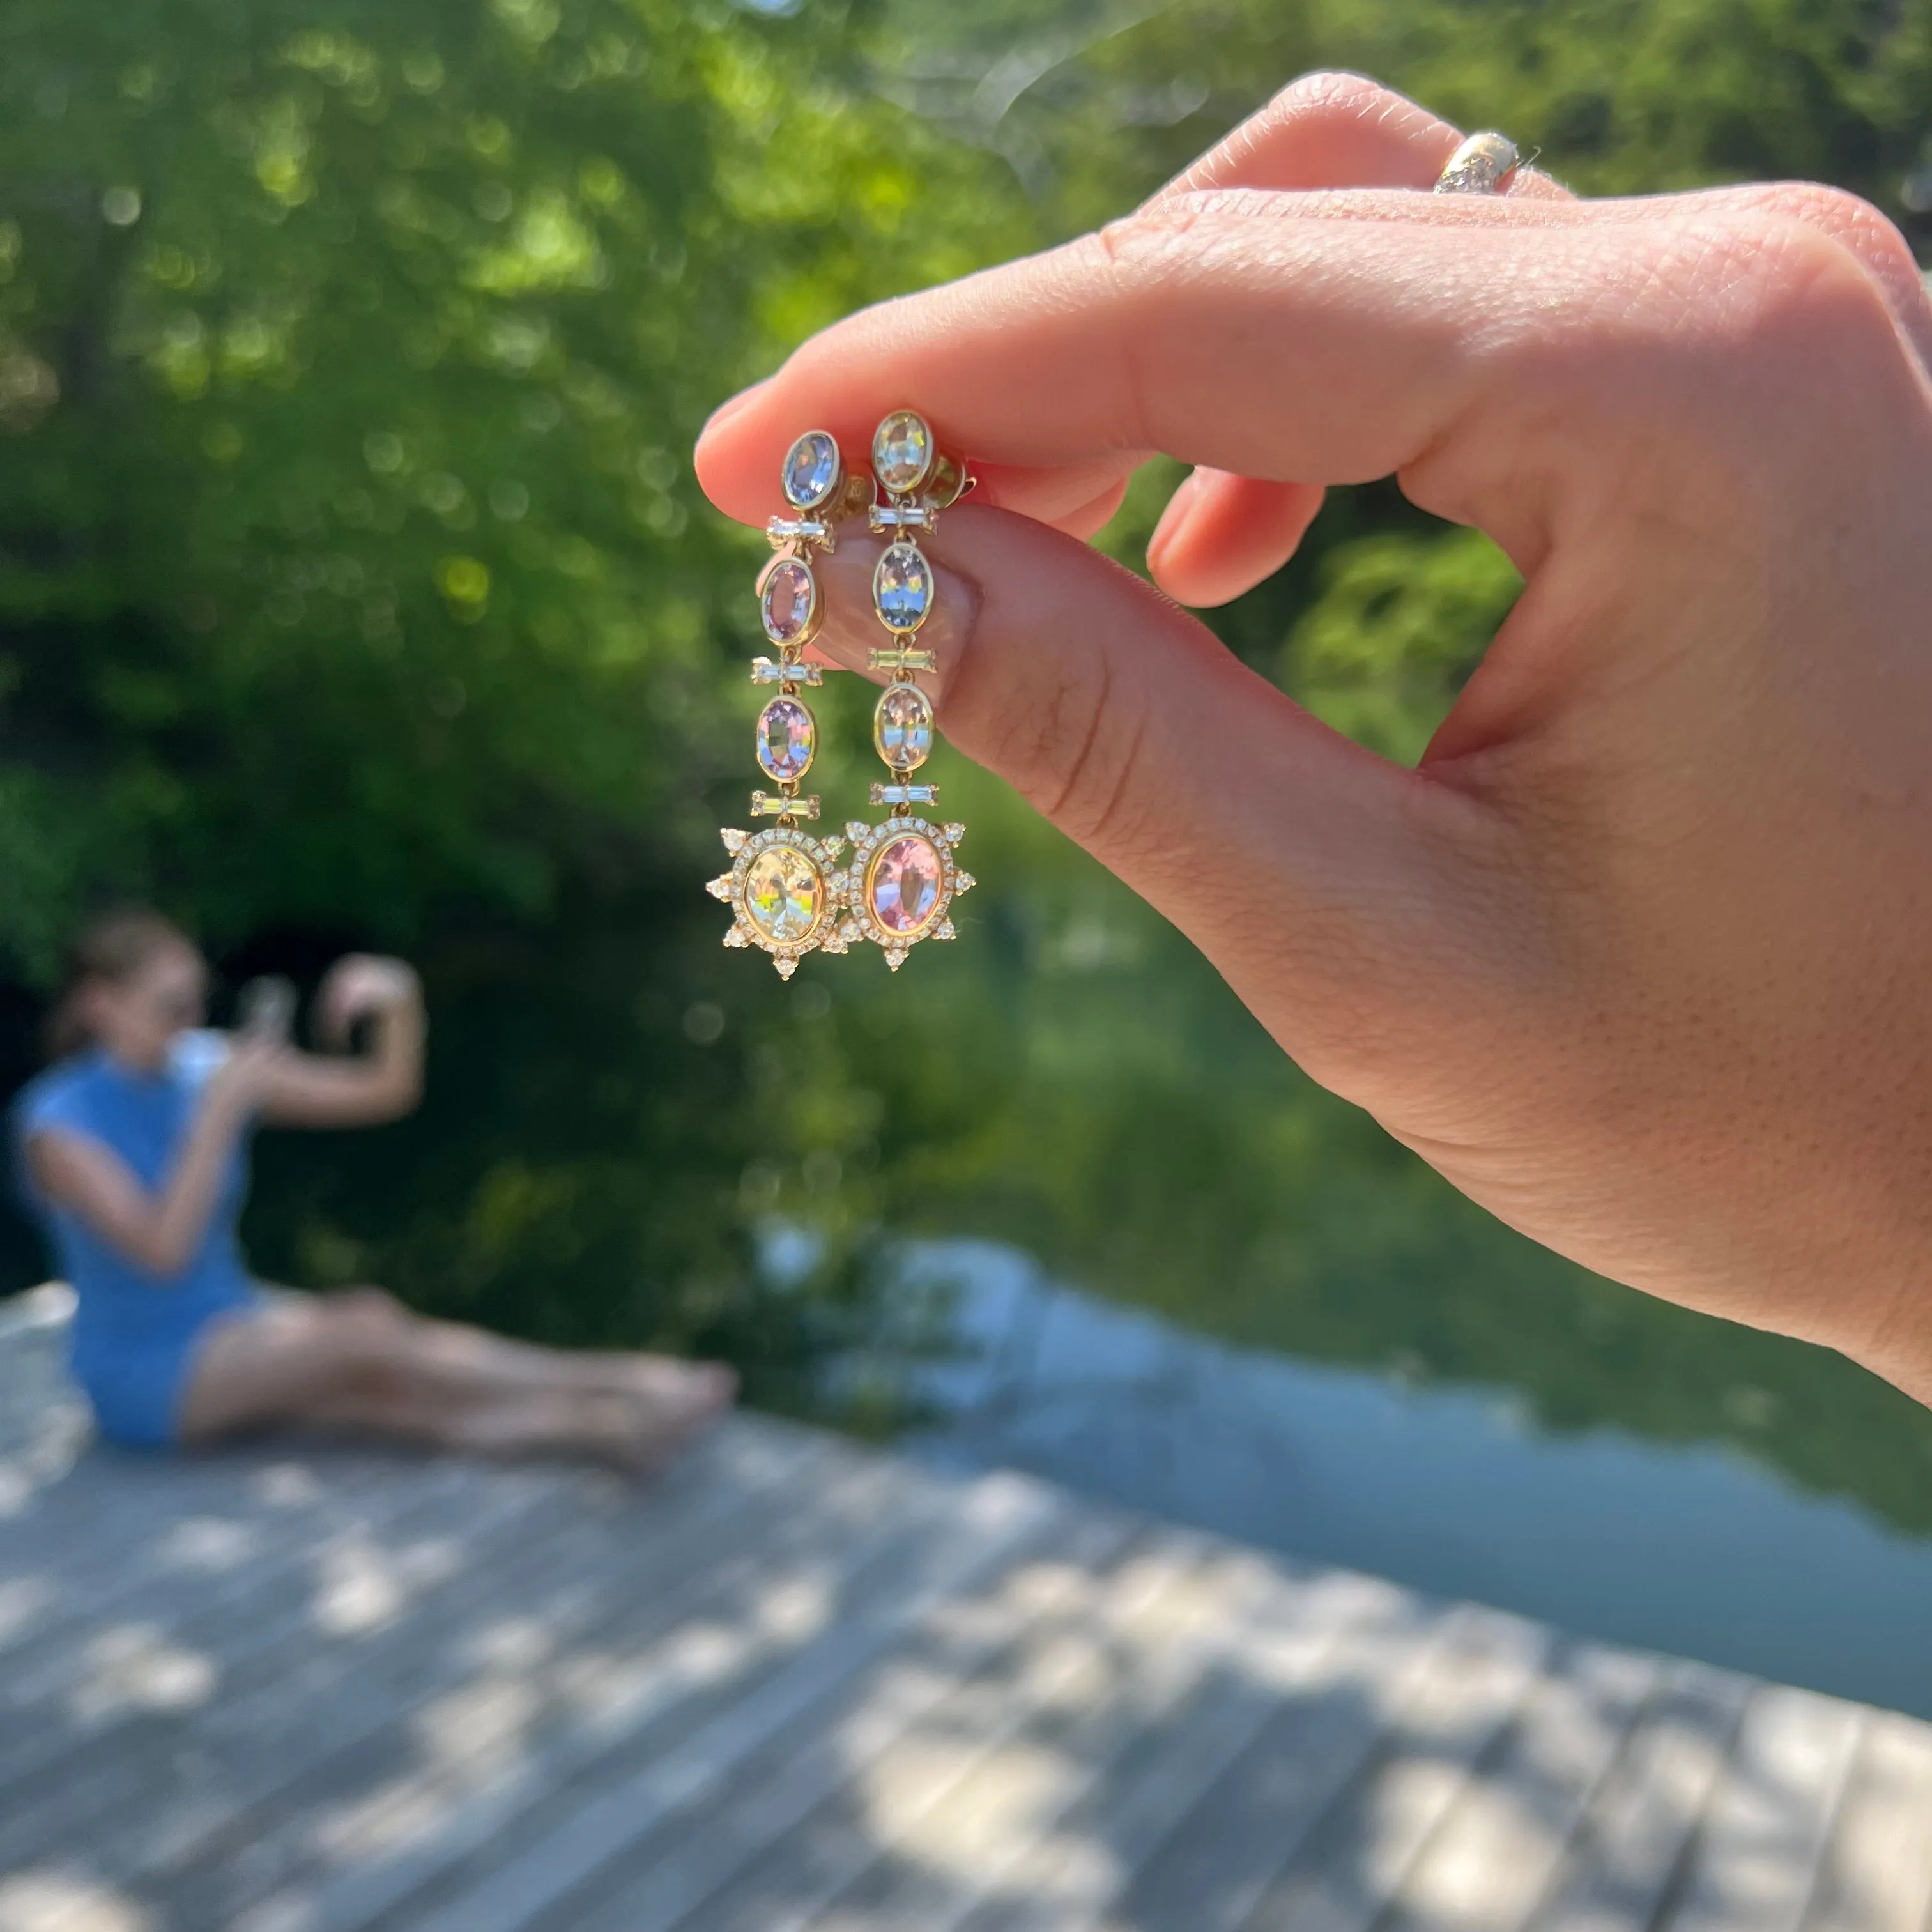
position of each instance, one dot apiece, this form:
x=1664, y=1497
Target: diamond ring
x=1484, y=164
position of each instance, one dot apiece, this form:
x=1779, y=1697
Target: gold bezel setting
x=898, y=552
x=833, y=489
x=914, y=750
x=793, y=540
x=868, y=841
x=890, y=478
x=815, y=609
x=827, y=932
x=761, y=739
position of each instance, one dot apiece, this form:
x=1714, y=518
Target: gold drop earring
x=783, y=888
x=904, y=875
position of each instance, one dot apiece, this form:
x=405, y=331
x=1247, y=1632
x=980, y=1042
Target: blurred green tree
x=353, y=586
x=349, y=358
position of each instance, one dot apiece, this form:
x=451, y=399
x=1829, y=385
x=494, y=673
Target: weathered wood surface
x=802, y=1688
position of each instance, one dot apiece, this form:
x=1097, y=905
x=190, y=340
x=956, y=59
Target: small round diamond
x=790, y=601
x=785, y=894
x=902, y=587
x=788, y=736
x=902, y=885
x=902, y=452
x=902, y=727
x=812, y=471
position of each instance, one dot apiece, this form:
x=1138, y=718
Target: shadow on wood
x=801, y=1686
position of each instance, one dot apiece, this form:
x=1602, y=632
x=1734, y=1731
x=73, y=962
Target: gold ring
x=1485, y=163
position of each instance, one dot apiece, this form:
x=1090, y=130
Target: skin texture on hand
x=1637, y=957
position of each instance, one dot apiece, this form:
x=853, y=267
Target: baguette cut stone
x=788, y=736
x=811, y=470
x=785, y=894
x=902, y=588
x=902, y=451
x=790, y=601
x=763, y=671
x=902, y=727
x=902, y=884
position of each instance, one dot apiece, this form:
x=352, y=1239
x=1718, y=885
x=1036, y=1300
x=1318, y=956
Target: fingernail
x=1180, y=507
x=852, y=630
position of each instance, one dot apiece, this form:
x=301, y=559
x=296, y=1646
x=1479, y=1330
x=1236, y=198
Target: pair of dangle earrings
x=789, y=892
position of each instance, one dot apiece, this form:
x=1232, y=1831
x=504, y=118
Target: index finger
x=1282, y=337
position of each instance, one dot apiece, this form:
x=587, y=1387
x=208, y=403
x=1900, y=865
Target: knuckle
x=1730, y=330
x=1852, y=219
x=1136, y=253
x=1776, y=283
x=1129, y=246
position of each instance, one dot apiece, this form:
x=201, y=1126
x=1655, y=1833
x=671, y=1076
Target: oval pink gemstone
x=787, y=739
x=902, y=889
x=791, y=600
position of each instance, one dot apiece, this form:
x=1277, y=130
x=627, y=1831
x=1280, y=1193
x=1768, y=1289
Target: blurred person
x=1636, y=957
x=134, y=1152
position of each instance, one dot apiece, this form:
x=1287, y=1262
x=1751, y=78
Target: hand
x=360, y=983
x=239, y=1085
x=1638, y=957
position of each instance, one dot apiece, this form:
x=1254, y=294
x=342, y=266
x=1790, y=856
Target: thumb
x=1348, y=901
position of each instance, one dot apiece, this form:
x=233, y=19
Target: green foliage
x=354, y=589
x=1382, y=652
x=350, y=563
x=1622, y=96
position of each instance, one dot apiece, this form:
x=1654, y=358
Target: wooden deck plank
x=1354, y=1868
x=1877, y=1872
x=279, y=1667
x=156, y=1556
x=436, y=1732
x=1248, y=1831
x=781, y=1649
x=258, y=1768
x=1499, y=1850
x=114, y=1513
x=766, y=1864
x=1280, y=1639
x=41, y=1420
x=873, y=1604
x=1755, y=1862
x=232, y=1625
x=1618, y=1873
x=940, y=1662
x=806, y=1688
x=1077, y=1877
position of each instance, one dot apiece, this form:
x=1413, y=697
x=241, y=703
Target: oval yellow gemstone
x=902, y=727
x=785, y=894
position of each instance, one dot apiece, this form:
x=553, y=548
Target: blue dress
x=135, y=1334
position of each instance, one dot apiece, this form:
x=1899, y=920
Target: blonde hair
x=113, y=945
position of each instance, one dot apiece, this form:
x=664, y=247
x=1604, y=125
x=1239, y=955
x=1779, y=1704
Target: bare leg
x=359, y=1361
